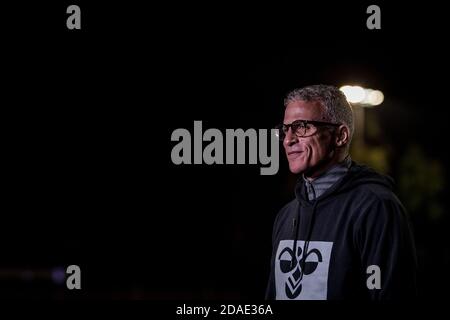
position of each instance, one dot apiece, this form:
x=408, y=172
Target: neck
x=318, y=186
x=324, y=167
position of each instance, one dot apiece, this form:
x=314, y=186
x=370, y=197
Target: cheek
x=317, y=149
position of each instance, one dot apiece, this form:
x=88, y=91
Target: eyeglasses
x=302, y=128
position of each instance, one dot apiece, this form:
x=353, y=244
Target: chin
x=297, y=168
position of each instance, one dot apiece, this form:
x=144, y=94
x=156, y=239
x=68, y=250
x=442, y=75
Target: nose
x=290, y=138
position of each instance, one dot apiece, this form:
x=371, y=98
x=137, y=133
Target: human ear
x=342, y=135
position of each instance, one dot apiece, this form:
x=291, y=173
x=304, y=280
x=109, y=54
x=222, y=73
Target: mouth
x=294, y=154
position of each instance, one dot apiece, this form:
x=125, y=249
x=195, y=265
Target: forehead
x=304, y=110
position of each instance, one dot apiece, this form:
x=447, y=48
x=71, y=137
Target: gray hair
x=337, y=108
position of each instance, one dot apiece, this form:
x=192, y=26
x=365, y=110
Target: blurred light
x=58, y=275
x=375, y=97
x=362, y=96
x=354, y=94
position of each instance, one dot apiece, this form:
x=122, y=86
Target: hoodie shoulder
x=287, y=208
x=378, y=191
x=367, y=183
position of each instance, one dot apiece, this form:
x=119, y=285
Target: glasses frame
x=284, y=128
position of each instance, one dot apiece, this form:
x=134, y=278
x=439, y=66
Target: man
x=345, y=235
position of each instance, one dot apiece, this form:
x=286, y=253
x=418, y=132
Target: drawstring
x=295, y=227
x=308, y=237
x=308, y=234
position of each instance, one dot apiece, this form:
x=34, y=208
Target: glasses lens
x=299, y=128
x=310, y=129
x=306, y=130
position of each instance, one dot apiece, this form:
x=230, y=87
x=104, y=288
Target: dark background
x=87, y=177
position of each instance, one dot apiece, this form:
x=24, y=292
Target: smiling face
x=309, y=155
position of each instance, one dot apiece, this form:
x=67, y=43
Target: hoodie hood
x=356, y=175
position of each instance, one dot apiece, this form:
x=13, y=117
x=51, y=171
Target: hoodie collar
x=318, y=186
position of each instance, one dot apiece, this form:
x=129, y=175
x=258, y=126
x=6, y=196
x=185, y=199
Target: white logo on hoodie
x=302, y=276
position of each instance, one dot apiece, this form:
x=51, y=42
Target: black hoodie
x=357, y=238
